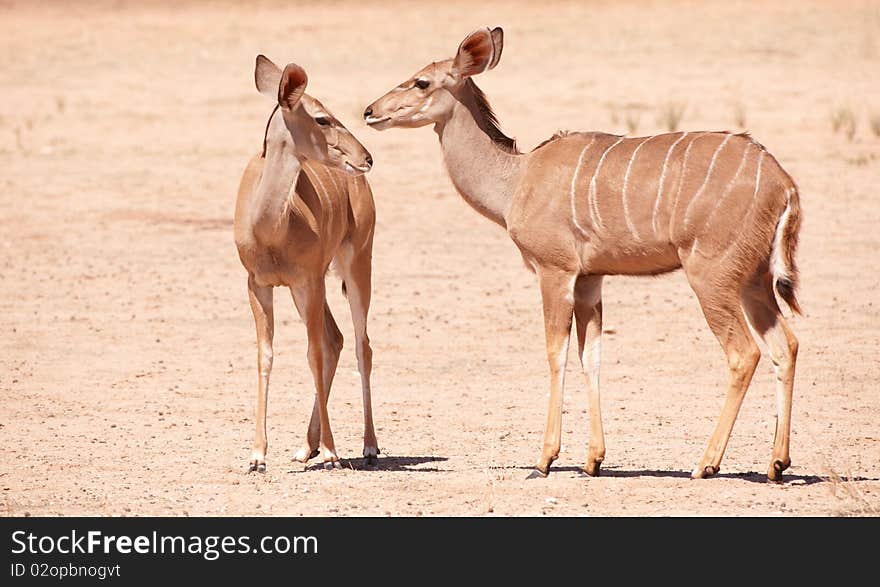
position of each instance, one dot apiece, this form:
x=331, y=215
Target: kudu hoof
x=705, y=472
x=774, y=475
x=592, y=469
x=538, y=474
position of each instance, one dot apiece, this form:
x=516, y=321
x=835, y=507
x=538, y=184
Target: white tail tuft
x=778, y=268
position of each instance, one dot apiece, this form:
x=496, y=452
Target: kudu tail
x=782, y=254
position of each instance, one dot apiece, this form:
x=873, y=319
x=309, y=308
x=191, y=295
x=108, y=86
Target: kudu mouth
x=373, y=120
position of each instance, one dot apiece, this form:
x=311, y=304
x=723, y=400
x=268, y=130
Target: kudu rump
x=302, y=204
x=583, y=205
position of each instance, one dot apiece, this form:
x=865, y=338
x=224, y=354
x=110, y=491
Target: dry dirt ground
x=128, y=353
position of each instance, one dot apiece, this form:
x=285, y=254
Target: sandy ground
x=128, y=354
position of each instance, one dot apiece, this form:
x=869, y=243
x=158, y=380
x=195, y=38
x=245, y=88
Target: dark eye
x=323, y=121
x=422, y=84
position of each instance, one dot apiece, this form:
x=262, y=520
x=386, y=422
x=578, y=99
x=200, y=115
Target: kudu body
x=588, y=204
x=302, y=204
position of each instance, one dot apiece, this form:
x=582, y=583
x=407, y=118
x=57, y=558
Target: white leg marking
x=726, y=191
x=594, y=361
x=594, y=206
x=662, y=179
x=626, y=217
x=574, y=177
x=687, y=212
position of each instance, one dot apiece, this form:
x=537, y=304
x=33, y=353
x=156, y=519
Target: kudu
x=583, y=205
x=302, y=204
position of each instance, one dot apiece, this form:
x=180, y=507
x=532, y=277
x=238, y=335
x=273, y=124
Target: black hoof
x=371, y=461
x=330, y=465
x=257, y=468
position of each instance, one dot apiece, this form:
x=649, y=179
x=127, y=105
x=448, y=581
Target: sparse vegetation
x=739, y=115
x=846, y=488
x=843, y=119
x=615, y=118
x=875, y=123
x=632, y=121
x=671, y=115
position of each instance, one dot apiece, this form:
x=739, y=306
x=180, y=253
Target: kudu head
x=312, y=129
x=429, y=96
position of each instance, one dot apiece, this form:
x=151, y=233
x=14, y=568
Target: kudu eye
x=422, y=84
x=323, y=121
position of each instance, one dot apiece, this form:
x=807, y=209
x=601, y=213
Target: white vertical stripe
x=687, y=212
x=594, y=206
x=663, y=179
x=726, y=191
x=626, y=217
x=687, y=153
x=574, y=177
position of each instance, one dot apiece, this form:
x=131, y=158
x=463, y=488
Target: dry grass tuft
x=846, y=488
x=843, y=119
x=671, y=115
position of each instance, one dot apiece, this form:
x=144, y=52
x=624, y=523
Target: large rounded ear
x=476, y=53
x=293, y=85
x=498, y=41
x=267, y=76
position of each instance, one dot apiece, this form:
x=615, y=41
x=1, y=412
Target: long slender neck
x=271, y=204
x=483, y=171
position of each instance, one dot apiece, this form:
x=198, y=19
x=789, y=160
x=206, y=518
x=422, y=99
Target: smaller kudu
x=302, y=204
x=583, y=205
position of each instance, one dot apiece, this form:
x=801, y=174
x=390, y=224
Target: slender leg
x=310, y=301
x=356, y=271
x=261, y=305
x=557, y=295
x=765, y=317
x=332, y=345
x=588, y=318
x=721, y=307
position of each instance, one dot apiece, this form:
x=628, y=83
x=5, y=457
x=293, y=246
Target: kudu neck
x=483, y=164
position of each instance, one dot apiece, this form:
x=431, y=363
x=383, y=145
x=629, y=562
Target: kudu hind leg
x=557, y=295
x=721, y=307
x=261, y=300
x=356, y=268
x=588, y=318
x=332, y=346
x=766, y=318
x=309, y=298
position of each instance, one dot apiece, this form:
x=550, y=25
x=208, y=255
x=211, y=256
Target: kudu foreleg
x=557, y=295
x=261, y=300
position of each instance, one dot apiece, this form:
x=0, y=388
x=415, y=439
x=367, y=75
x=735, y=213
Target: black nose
x=369, y=160
x=368, y=112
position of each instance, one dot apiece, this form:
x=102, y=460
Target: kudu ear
x=267, y=76
x=498, y=42
x=293, y=85
x=479, y=51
